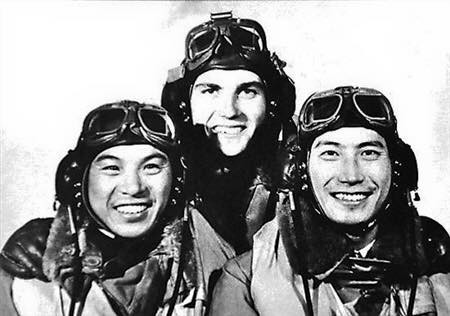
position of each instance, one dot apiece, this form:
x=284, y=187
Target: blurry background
x=60, y=59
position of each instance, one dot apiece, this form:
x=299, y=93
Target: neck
x=364, y=237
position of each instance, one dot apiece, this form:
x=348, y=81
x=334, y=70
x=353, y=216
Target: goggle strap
x=221, y=15
x=171, y=127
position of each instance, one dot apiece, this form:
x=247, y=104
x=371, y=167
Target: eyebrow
x=156, y=155
x=105, y=157
x=246, y=85
x=240, y=87
x=151, y=156
x=374, y=143
x=207, y=85
x=326, y=143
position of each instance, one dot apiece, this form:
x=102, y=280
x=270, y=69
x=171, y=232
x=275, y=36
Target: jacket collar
x=315, y=246
x=61, y=250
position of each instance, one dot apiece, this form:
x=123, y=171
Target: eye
x=153, y=168
x=329, y=154
x=370, y=154
x=110, y=169
x=209, y=90
x=248, y=93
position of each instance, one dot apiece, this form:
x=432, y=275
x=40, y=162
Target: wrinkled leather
x=316, y=247
x=22, y=254
x=287, y=163
x=436, y=244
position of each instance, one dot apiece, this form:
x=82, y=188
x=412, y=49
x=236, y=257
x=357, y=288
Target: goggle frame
x=340, y=93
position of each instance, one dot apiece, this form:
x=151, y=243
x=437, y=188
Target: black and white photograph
x=225, y=158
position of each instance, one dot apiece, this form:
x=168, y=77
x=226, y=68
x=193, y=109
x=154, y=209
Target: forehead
x=227, y=77
x=349, y=137
x=131, y=152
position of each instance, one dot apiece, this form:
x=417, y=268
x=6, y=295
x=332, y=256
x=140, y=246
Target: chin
x=232, y=149
x=231, y=152
x=233, y=146
x=131, y=231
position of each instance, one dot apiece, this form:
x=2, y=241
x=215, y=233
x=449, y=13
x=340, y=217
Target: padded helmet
x=349, y=106
x=121, y=123
x=225, y=42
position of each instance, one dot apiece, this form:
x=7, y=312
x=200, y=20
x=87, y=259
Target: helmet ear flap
x=286, y=98
x=281, y=90
x=404, y=170
x=175, y=99
x=68, y=180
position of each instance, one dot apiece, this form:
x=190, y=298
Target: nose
x=228, y=107
x=132, y=184
x=350, y=172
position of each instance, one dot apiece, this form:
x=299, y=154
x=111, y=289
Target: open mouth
x=133, y=209
x=351, y=197
x=228, y=130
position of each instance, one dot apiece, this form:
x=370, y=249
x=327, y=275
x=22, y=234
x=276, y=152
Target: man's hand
x=22, y=254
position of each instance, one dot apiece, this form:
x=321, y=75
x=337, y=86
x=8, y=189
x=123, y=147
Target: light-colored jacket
x=208, y=252
x=138, y=280
x=263, y=283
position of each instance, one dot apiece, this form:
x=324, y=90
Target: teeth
x=228, y=130
x=350, y=197
x=131, y=209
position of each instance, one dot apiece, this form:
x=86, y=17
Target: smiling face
x=350, y=173
x=128, y=188
x=231, y=104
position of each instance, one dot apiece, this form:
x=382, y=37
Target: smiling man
x=347, y=239
x=231, y=104
x=230, y=99
x=350, y=172
x=128, y=188
x=114, y=245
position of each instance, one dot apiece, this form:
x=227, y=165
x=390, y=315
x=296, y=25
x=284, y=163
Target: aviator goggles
x=202, y=40
x=108, y=122
x=324, y=108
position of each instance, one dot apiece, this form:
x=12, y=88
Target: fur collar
x=60, y=254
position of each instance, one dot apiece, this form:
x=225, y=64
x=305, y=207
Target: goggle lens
x=247, y=34
x=327, y=107
x=201, y=42
x=322, y=109
x=112, y=120
x=106, y=121
x=246, y=37
x=153, y=121
x=372, y=107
